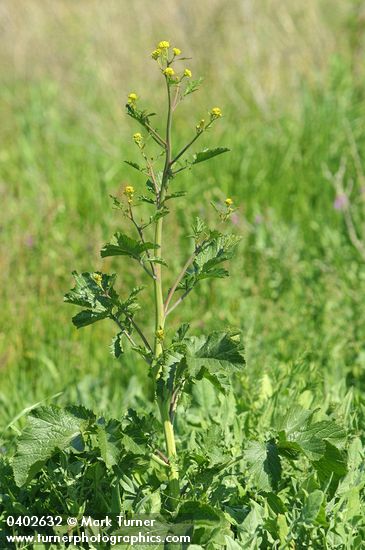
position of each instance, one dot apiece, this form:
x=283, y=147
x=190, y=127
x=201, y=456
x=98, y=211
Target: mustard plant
x=173, y=364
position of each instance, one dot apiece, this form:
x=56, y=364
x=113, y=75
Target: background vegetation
x=289, y=78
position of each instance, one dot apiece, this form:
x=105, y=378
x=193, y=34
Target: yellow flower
x=160, y=334
x=132, y=98
x=137, y=137
x=169, y=71
x=164, y=44
x=187, y=73
x=97, y=278
x=229, y=202
x=128, y=190
x=176, y=51
x=156, y=53
x=216, y=112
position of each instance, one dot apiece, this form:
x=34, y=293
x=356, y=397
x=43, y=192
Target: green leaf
x=91, y=294
x=96, y=292
x=122, y=245
x=49, y=429
x=295, y=419
x=216, y=250
x=132, y=447
x=109, y=437
x=207, y=154
x=312, y=439
x=332, y=463
x=88, y=317
x=116, y=346
x=134, y=165
x=193, y=86
x=215, y=357
x=312, y=507
x=181, y=332
x=264, y=464
x=199, y=514
x=176, y=195
x=160, y=213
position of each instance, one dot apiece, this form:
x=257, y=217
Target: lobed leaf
x=215, y=357
x=264, y=464
x=216, y=250
x=122, y=245
x=49, y=429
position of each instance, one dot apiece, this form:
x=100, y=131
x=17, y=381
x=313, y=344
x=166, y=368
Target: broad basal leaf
x=48, y=429
x=264, y=465
x=122, y=245
x=311, y=507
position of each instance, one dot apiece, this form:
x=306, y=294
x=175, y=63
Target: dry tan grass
x=256, y=49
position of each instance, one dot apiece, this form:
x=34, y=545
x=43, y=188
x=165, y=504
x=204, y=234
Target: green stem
x=164, y=402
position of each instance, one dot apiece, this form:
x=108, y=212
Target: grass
x=292, y=95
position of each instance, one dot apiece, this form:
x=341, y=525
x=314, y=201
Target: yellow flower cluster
x=138, y=138
x=129, y=190
x=188, y=73
x=169, y=71
x=162, y=48
x=156, y=53
x=216, y=112
x=132, y=98
x=97, y=278
x=228, y=202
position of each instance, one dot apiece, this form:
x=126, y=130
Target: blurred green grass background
x=289, y=78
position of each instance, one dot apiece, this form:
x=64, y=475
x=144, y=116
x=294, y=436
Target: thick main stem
x=164, y=403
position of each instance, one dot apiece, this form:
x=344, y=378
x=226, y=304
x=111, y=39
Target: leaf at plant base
x=215, y=357
x=311, y=507
x=132, y=447
x=295, y=419
x=200, y=514
x=116, y=347
x=313, y=437
x=108, y=437
x=232, y=544
x=333, y=463
x=122, y=245
x=264, y=464
x=48, y=429
x=208, y=154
